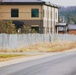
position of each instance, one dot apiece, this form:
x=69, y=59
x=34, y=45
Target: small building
x=72, y=29
x=61, y=28
x=37, y=14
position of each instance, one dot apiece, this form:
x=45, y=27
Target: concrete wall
x=15, y=41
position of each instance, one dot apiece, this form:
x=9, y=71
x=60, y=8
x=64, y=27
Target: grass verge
x=4, y=57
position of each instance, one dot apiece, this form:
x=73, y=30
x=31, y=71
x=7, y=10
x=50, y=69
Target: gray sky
x=63, y=2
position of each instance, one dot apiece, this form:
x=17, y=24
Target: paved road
x=62, y=64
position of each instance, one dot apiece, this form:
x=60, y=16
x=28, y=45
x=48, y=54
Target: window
x=35, y=29
x=14, y=13
x=35, y=12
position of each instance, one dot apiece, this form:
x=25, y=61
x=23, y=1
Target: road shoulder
x=24, y=59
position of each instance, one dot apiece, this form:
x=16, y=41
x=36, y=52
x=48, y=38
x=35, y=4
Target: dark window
x=35, y=13
x=14, y=13
x=35, y=29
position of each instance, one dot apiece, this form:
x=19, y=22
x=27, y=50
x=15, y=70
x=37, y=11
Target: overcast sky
x=63, y=2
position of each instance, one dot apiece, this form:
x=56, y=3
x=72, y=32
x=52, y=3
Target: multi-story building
x=36, y=14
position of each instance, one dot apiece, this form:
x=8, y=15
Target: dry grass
x=57, y=46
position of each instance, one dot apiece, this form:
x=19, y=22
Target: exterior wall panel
x=24, y=12
x=56, y=14
x=49, y=19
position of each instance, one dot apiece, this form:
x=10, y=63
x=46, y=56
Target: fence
x=13, y=41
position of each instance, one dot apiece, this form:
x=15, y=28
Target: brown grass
x=57, y=46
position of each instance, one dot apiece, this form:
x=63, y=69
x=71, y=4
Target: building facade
x=36, y=14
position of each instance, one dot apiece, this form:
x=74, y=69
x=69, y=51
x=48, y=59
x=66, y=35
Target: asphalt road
x=62, y=64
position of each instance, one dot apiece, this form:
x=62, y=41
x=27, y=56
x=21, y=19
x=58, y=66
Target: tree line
x=69, y=13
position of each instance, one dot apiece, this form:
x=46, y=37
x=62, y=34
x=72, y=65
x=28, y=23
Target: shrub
x=7, y=27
